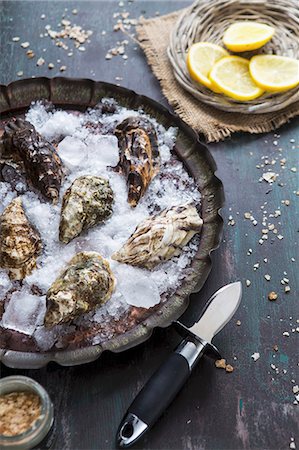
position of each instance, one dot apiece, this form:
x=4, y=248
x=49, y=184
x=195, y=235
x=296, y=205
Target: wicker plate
x=206, y=20
x=78, y=94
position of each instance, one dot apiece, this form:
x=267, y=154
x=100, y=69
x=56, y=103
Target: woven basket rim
x=199, y=19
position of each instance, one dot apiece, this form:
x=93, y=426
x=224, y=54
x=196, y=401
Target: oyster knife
x=167, y=381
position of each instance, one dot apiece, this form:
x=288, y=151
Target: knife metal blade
x=163, y=386
x=220, y=309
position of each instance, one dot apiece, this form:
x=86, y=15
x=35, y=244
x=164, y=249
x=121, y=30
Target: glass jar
x=40, y=435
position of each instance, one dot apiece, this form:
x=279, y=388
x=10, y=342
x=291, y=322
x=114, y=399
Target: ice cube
x=47, y=338
x=102, y=149
x=137, y=288
x=72, y=151
x=44, y=338
x=24, y=312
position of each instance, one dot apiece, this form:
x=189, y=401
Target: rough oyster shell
x=139, y=158
x=87, y=282
x=87, y=202
x=160, y=237
x=20, y=243
x=41, y=161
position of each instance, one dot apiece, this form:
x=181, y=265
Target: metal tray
x=69, y=93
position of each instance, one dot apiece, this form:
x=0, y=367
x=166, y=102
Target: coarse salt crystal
x=255, y=356
x=270, y=177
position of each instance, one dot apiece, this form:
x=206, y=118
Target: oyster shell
x=139, y=158
x=87, y=202
x=41, y=161
x=20, y=243
x=160, y=237
x=87, y=282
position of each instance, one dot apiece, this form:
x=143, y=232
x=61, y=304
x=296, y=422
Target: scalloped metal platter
x=73, y=94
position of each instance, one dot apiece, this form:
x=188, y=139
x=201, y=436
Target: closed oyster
x=87, y=202
x=139, y=158
x=41, y=161
x=160, y=237
x=87, y=282
x=20, y=243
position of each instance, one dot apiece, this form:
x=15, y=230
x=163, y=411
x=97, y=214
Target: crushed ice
x=85, y=152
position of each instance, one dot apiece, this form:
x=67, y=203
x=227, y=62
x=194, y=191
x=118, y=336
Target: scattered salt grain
x=40, y=62
x=30, y=54
x=220, y=363
x=255, y=356
x=270, y=177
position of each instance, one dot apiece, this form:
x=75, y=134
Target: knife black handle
x=161, y=389
x=159, y=392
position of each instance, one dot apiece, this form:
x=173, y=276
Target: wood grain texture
x=251, y=408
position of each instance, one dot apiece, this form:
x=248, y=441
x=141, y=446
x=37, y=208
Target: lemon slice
x=231, y=76
x=274, y=73
x=245, y=36
x=200, y=60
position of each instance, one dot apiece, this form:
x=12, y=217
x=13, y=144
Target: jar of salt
x=26, y=415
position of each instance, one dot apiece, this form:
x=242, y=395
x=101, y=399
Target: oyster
x=87, y=202
x=87, y=282
x=139, y=158
x=20, y=243
x=41, y=161
x=160, y=237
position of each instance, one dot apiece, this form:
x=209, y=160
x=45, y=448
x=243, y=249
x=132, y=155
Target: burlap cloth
x=214, y=124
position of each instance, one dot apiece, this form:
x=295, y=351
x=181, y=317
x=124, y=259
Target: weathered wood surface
x=252, y=407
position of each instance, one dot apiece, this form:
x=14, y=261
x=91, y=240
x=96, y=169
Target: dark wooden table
x=253, y=406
